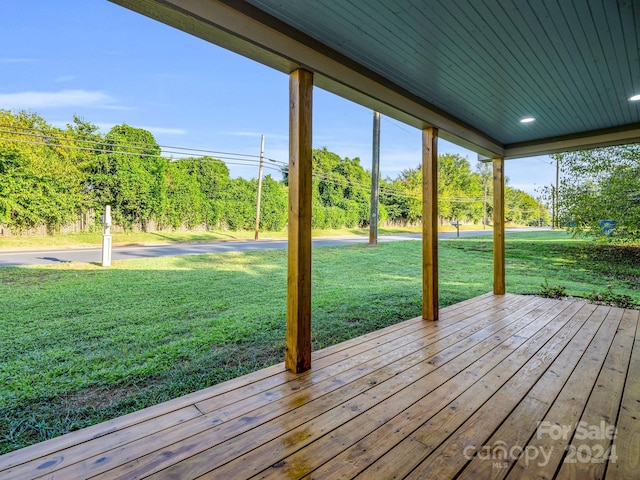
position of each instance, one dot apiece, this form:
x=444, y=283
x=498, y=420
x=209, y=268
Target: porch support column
x=499, y=286
x=430, y=224
x=298, y=354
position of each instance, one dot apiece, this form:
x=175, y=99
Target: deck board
x=627, y=440
x=414, y=400
x=602, y=408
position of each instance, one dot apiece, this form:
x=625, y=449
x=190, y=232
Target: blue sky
x=109, y=66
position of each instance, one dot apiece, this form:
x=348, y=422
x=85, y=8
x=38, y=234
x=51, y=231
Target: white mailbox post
x=106, y=236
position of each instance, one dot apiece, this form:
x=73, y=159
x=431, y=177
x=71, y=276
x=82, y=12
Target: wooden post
x=499, y=287
x=298, y=354
x=430, y=224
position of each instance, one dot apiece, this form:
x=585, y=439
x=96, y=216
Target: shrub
x=552, y=291
x=608, y=297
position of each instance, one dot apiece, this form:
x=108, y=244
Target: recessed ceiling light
x=527, y=120
x=635, y=98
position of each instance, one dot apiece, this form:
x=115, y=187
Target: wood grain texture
x=556, y=429
x=414, y=400
x=499, y=284
x=596, y=430
x=430, y=223
x=298, y=349
x=627, y=436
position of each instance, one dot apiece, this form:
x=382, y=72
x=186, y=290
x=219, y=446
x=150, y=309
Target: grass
x=81, y=344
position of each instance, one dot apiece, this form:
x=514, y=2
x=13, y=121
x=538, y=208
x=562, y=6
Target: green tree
x=459, y=192
x=601, y=184
x=39, y=182
x=459, y=189
x=239, y=206
x=409, y=182
x=341, y=191
x=274, y=211
x=85, y=141
x=212, y=176
x=129, y=174
x=520, y=207
x=394, y=200
x=186, y=204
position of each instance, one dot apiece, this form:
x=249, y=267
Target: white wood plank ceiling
x=473, y=68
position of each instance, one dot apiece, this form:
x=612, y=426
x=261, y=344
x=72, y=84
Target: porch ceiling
x=472, y=68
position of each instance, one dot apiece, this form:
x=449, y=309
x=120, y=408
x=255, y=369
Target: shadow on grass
x=89, y=344
x=92, y=343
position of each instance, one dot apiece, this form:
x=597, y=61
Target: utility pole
x=259, y=187
x=485, y=175
x=553, y=206
x=375, y=175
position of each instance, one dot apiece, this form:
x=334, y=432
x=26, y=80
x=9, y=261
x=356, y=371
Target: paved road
x=93, y=254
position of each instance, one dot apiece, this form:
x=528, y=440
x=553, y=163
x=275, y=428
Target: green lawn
x=80, y=343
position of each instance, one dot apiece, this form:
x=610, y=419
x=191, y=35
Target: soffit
x=472, y=68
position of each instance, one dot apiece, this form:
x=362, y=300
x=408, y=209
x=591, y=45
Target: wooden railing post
x=430, y=223
x=499, y=285
x=298, y=354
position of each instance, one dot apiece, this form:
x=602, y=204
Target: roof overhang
x=251, y=32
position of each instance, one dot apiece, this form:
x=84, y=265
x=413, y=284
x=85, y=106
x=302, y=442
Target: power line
x=50, y=139
x=225, y=160
x=235, y=159
x=543, y=161
x=390, y=191
x=104, y=145
x=395, y=124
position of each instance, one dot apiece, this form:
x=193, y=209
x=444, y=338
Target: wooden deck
x=500, y=387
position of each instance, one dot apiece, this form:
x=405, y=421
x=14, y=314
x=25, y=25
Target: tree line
x=50, y=175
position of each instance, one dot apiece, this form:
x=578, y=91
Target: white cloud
x=62, y=98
